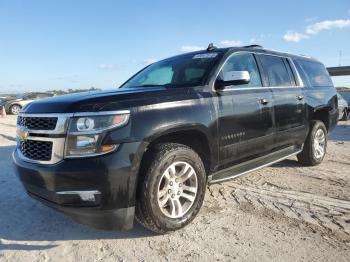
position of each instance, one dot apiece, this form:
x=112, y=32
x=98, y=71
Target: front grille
x=36, y=150
x=37, y=123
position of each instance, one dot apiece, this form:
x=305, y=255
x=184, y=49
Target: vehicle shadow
x=25, y=219
x=287, y=163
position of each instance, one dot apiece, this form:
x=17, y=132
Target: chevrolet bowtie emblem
x=22, y=133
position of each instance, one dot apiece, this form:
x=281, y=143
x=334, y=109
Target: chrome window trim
x=58, y=143
x=258, y=87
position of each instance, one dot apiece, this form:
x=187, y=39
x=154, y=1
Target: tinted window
x=316, y=73
x=184, y=70
x=276, y=71
x=243, y=62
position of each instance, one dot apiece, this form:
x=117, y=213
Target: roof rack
x=211, y=47
x=252, y=46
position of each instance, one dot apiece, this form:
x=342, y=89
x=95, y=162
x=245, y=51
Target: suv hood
x=101, y=100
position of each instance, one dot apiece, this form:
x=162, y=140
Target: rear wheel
x=15, y=109
x=315, y=145
x=172, y=191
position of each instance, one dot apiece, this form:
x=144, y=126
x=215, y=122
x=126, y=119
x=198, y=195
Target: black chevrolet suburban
x=147, y=150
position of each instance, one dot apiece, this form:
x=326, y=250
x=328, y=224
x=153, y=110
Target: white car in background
x=14, y=105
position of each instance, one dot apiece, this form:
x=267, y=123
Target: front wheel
x=172, y=191
x=315, y=145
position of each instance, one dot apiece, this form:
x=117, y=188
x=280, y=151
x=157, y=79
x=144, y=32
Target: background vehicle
x=148, y=149
x=14, y=106
x=343, y=108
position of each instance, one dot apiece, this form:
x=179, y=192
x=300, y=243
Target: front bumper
x=113, y=176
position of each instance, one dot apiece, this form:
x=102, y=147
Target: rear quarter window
x=315, y=72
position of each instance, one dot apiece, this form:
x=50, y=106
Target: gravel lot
x=283, y=213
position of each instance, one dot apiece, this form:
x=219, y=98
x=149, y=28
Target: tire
x=345, y=115
x=162, y=218
x=15, y=109
x=311, y=154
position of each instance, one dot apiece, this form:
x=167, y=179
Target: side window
x=243, y=62
x=276, y=71
x=315, y=72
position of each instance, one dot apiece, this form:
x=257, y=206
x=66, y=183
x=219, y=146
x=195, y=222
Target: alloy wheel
x=319, y=144
x=177, y=189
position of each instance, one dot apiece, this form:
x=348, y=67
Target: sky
x=46, y=45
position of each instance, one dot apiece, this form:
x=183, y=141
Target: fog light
x=88, y=195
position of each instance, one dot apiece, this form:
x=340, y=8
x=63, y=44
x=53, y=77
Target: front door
x=245, y=113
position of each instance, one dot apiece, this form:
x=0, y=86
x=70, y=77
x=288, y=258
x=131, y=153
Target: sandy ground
x=281, y=213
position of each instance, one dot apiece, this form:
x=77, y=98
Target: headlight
x=86, y=132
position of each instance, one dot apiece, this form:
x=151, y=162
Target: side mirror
x=233, y=78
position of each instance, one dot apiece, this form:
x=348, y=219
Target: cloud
x=316, y=28
x=231, y=42
x=191, y=48
x=109, y=67
x=150, y=60
x=294, y=37
x=327, y=25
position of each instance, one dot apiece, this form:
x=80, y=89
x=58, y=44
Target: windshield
x=185, y=70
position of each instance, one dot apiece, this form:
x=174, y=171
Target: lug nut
x=178, y=193
x=176, y=180
x=171, y=183
x=173, y=195
x=180, y=184
x=169, y=191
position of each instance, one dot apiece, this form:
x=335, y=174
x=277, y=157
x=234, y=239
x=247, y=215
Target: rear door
x=245, y=112
x=288, y=99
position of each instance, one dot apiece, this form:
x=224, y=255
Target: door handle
x=264, y=101
x=300, y=97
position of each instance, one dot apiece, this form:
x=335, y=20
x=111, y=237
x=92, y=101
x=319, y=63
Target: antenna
x=340, y=57
x=211, y=47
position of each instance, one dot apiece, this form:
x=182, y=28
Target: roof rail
x=252, y=46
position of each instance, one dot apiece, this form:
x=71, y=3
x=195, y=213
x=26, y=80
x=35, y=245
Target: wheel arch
x=194, y=136
x=322, y=114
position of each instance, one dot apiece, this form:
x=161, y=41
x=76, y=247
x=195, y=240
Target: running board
x=254, y=164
